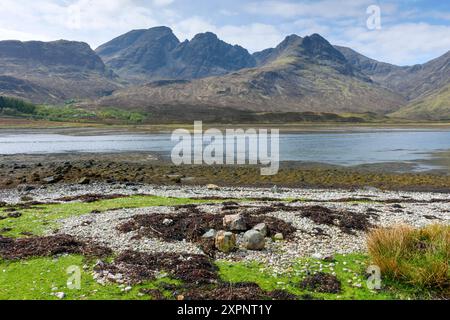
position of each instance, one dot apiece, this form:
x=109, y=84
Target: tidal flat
x=143, y=167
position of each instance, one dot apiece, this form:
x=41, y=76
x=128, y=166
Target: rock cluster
x=253, y=239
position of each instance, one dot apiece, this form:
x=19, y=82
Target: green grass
x=34, y=279
x=419, y=256
x=357, y=263
x=43, y=218
x=353, y=270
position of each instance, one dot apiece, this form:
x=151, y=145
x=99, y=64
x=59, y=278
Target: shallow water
x=348, y=149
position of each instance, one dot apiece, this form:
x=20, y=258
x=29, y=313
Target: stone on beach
x=211, y=234
x=235, y=222
x=254, y=240
x=225, y=241
x=261, y=228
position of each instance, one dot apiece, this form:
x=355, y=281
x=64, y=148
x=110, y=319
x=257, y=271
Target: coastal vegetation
x=419, y=257
x=13, y=107
x=414, y=264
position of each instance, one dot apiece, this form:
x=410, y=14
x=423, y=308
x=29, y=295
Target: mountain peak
x=161, y=29
x=156, y=54
x=206, y=36
x=289, y=41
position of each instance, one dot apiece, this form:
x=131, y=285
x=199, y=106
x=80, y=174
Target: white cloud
x=310, y=26
x=402, y=44
x=253, y=37
x=94, y=21
x=162, y=3
x=23, y=36
x=323, y=8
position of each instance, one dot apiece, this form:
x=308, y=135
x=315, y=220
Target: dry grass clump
x=417, y=256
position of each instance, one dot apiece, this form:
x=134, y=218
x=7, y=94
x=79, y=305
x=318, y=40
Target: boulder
x=235, y=222
x=254, y=240
x=212, y=187
x=261, y=228
x=167, y=222
x=225, y=241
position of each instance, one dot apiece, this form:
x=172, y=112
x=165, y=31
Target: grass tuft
x=419, y=257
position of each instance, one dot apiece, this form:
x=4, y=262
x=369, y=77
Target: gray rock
x=234, y=222
x=211, y=234
x=254, y=240
x=261, y=228
x=167, y=222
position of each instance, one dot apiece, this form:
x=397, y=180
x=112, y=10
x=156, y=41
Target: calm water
x=333, y=148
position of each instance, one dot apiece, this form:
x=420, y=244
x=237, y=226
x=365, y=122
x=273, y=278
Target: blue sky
x=411, y=31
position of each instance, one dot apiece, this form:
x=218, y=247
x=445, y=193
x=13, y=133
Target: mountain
x=138, y=54
x=51, y=72
x=157, y=54
x=300, y=74
x=426, y=86
x=435, y=106
x=412, y=82
x=152, y=70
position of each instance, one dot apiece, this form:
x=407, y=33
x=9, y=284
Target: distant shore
x=12, y=125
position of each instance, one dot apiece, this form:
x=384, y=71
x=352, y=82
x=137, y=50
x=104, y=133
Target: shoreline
x=311, y=238
x=14, y=125
x=49, y=169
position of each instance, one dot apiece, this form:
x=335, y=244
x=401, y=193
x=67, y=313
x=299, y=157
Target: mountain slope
x=50, y=72
x=156, y=54
x=412, y=82
x=426, y=86
x=435, y=106
x=301, y=74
